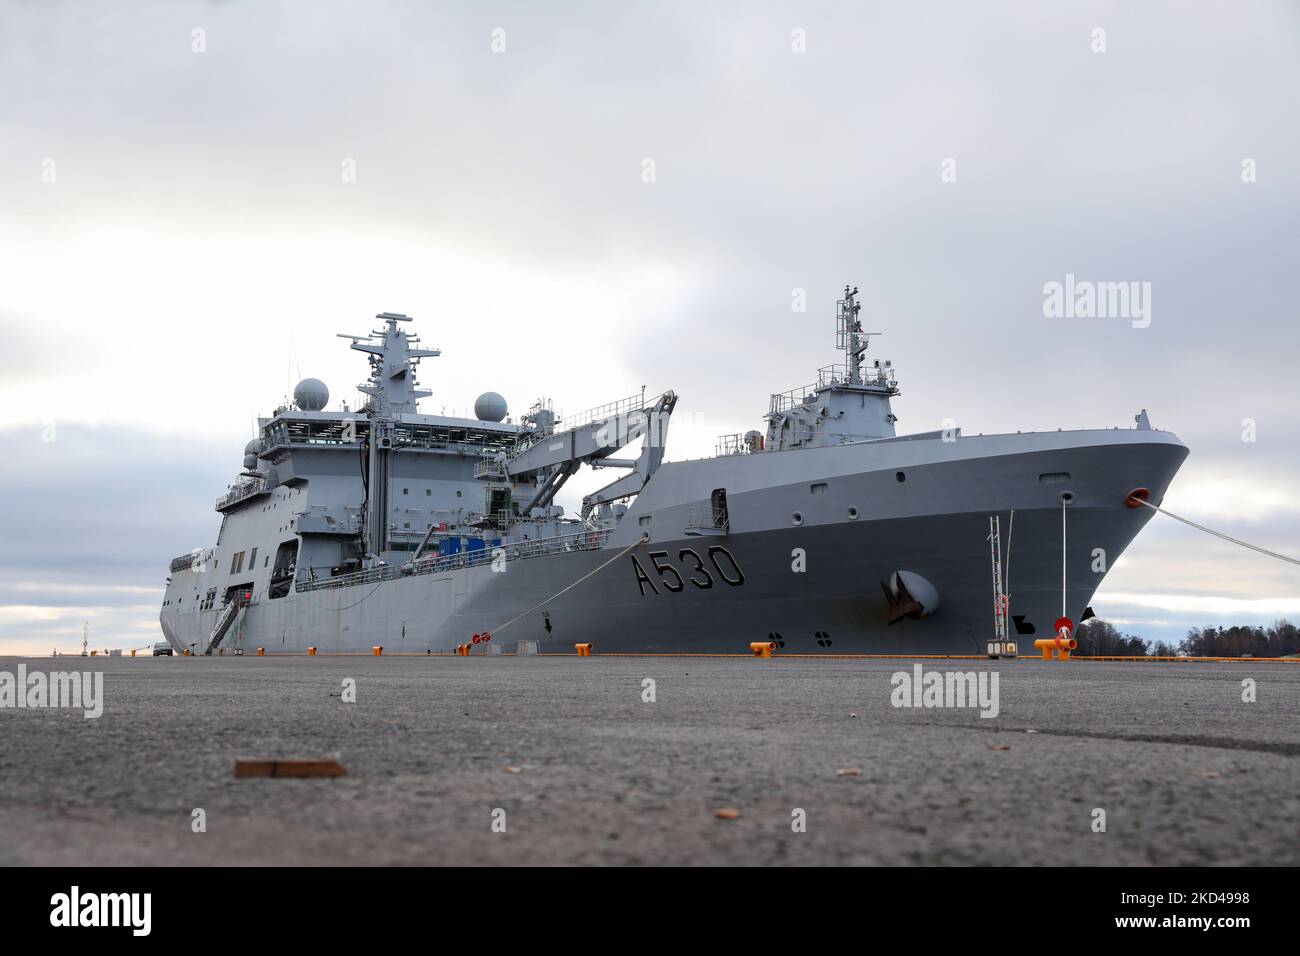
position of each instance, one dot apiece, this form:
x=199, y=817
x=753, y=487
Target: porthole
x=900, y=476
x=853, y=514
x=796, y=518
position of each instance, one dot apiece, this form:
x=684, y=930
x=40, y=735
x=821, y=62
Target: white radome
x=311, y=395
x=490, y=407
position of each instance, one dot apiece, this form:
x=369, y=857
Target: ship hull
x=798, y=564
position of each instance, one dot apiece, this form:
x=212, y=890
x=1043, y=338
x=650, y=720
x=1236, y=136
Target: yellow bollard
x=584, y=650
x=377, y=650
x=1061, y=646
x=311, y=652
x=762, y=648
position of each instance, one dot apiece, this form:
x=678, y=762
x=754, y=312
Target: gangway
x=227, y=617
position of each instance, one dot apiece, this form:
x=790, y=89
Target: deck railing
x=507, y=551
x=244, y=489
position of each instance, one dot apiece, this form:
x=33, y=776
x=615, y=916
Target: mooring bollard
x=1061, y=646
x=311, y=652
x=377, y=650
x=762, y=648
x=584, y=650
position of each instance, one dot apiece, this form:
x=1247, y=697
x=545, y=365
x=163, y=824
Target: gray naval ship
x=825, y=533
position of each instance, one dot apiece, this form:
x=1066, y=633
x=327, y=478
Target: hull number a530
x=689, y=569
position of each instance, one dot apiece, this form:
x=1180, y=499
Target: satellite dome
x=253, y=447
x=311, y=395
x=490, y=407
x=250, y=462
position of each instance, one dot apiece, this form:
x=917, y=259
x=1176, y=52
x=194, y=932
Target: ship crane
x=599, y=435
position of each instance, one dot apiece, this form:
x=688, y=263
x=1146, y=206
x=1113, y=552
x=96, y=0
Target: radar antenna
x=393, y=361
x=849, y=337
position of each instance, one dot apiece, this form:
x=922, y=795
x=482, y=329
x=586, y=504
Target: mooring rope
x=1217, y=534
x=378, y=585
x=596, y=570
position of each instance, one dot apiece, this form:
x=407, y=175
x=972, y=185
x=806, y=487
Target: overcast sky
x=180, y=240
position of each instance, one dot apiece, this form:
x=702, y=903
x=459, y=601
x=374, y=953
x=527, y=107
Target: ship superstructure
x=827, y=532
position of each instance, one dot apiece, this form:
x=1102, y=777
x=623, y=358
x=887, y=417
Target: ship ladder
x=227, y=618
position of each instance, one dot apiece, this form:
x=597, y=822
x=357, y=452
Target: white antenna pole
x=1006, y=570
x=1063, y=557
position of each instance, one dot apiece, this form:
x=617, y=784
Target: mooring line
x=1217, y=534
x=636, y=544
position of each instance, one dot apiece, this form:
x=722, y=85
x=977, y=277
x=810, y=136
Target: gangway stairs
x=227, y=617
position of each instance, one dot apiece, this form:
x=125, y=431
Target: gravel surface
x=587, y=772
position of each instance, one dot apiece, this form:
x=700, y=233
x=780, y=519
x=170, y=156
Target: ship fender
x=909, y=595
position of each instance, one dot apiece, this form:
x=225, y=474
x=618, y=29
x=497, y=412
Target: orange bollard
x=261, y=652
x=462, y=650
x=311, y=652
x=377, y=650
x=762, y=648
x=1061, y=646
x=584, y=650
x=133, y=652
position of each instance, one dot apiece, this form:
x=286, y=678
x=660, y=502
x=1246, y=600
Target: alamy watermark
x=36, y=689
x=1084, y=299
x=75, y=908
x=946, y=689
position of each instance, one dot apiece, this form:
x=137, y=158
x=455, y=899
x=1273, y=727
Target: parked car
x=162, y=649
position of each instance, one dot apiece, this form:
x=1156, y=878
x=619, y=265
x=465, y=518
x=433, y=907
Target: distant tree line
x=1097, y=638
